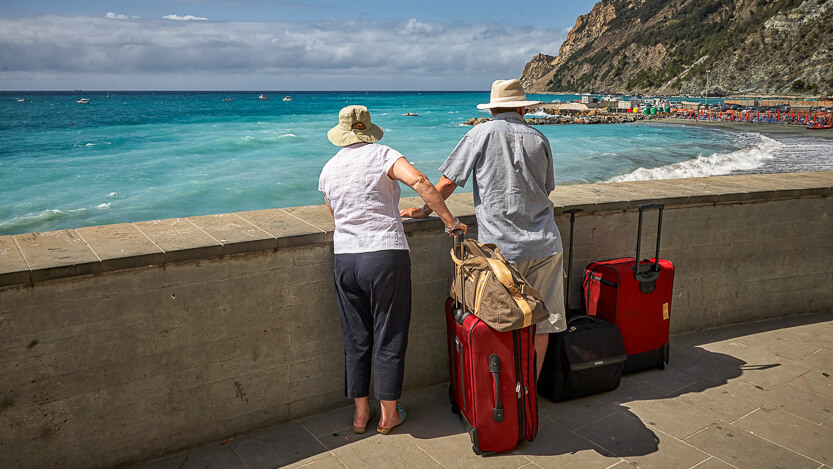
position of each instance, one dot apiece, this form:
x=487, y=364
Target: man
x=513, y=176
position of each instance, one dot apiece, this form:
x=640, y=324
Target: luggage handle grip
x=652, y=273
x=494, y=368
x=581, y=318
x=644, y=207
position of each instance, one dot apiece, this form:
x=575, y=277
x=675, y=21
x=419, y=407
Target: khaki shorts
x=546, y=274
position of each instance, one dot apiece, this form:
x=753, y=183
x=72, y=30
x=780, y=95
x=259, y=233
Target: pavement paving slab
x=744, y=450
x=789, y=431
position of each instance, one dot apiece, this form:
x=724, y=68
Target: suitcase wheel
x=454, y=407
x=663, y=361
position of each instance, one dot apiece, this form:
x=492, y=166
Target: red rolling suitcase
x=636, y=296
x=492, y=377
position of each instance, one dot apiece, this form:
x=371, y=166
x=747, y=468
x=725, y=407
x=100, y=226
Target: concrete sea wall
x=121, y=343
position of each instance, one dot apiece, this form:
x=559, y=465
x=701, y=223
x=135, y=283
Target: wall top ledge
x=35, y=257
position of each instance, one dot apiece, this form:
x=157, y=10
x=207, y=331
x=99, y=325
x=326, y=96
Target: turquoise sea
x=133, y=156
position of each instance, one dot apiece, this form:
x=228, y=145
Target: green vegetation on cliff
x=684, y=46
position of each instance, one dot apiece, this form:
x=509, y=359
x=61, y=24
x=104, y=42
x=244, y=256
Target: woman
x=372, y=267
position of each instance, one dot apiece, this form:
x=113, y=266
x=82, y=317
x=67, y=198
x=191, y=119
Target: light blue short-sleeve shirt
x=513, y=174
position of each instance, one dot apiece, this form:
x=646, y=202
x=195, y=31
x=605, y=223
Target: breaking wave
x=29, y=221
x=717, y=164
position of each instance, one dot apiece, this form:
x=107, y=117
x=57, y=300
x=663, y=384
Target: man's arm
x=444, y=186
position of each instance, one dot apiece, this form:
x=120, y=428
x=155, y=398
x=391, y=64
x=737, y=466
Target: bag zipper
x=533, y=426
x=461, y=372
x=516, y=346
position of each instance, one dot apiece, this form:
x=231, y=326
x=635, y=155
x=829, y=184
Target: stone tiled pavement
x=755, y=395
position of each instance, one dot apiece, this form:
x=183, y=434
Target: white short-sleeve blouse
x=364, y=199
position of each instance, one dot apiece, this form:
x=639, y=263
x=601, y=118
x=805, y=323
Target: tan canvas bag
x=495, y=291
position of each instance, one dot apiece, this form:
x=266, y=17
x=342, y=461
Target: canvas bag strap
x=473, y=262
x=501, y=269
x=504, y=276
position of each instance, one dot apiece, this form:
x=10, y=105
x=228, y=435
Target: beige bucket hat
x=354, y=126
x=507, y=93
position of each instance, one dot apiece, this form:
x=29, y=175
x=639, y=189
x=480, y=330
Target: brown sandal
x=386, y=431
x=364, y=428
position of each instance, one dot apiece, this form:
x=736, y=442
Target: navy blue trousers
x=374, y=299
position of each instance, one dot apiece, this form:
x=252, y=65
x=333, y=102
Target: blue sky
x=275, y=45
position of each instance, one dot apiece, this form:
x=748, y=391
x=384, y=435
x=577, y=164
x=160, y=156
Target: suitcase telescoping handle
x=572, y=213
x=650, y=274
x=459, y=309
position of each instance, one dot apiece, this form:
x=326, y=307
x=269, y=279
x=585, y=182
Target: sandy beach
x=761, y=128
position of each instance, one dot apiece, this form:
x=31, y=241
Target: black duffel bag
x=588, y=358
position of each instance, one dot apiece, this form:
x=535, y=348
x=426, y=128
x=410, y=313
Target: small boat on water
x=288, y=98
x=228, y=100
x=22, y=100
x=263, y=97
x=819, y=126
x=83, y=101
x=411, y=114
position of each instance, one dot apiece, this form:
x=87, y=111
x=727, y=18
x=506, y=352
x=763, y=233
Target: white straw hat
x=354, y=126
x=507, y=93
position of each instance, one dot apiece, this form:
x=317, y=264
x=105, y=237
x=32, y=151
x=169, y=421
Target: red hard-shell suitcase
x=492, y=377
x=636, y=296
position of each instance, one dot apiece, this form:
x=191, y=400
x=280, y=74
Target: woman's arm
x=329, y=207
x=413, y=178
x=444, y=186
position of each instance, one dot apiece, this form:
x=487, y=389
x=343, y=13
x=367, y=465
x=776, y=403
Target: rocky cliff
x=692, y=47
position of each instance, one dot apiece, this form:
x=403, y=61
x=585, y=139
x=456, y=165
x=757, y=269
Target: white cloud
x=239, y=55
x=113, y=16
x=184, y=18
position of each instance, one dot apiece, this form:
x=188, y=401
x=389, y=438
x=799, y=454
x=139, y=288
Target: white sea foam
x=112, y=194
x=537, y=114
x=37, y=219
x=288, y=135
x=745, y=159
x=103, y=206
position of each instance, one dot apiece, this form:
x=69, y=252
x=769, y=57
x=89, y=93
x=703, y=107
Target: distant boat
x=83, y=101
x=228, y=100
x=820, y=126
x=413, y=114
x=22, y=100
x=288, y=98
x=263, y=97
